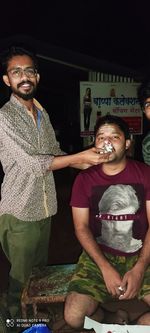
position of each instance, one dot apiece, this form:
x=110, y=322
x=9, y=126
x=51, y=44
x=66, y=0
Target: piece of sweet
x=108, y=147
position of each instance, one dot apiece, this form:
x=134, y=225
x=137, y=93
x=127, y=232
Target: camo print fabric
x=88, y=279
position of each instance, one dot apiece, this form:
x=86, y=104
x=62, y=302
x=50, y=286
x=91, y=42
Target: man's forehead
x=109, y=127
x=20, y=60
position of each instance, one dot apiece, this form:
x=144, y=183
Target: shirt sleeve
x=146, y=149
x=79, y=195
x=146, y=173
x=11, y=152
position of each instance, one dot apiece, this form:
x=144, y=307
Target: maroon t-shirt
x=117, y=206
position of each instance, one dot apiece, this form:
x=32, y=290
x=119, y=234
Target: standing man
x=29, y=153
x=144, y=99
x=111, y=212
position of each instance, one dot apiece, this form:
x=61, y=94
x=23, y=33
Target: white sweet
x=108, y=148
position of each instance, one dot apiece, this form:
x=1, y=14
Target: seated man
x=111, y=212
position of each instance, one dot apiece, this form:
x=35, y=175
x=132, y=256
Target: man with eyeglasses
x=144, y=99
x=29, y=153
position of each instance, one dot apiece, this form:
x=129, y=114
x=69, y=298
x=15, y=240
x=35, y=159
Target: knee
x=144, y=319
x=73, y=318
x=74, y=311
x=77, y=306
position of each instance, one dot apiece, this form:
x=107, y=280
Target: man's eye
x=30, y=71
x=16, y=72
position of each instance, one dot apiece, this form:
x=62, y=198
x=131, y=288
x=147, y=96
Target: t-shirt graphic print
x=118, y=209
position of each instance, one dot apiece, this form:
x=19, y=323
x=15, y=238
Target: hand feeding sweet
x=106, y=149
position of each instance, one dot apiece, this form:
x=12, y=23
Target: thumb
x=94, y=149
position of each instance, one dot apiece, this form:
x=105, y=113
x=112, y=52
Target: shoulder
x=146, y=139
x=89, y=172
x=146, y=143
x=91, y=169
x=5, y=109
x=138, y=165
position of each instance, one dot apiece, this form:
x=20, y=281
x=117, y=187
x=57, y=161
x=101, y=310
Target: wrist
x=78, y=158
x=104, y=265
x=141, y=265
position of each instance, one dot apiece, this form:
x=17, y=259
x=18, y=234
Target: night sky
x=114, y=31
x=117, y=31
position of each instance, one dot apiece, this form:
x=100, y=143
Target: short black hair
x=143, y=92
x=111, y=119
x=16, y=50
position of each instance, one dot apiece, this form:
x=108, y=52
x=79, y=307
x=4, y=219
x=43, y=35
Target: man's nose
x=23, y=74
x=107, y=140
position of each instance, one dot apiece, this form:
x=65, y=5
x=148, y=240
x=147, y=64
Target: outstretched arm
x=80, y=160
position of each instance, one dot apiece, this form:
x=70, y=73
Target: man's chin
x=110, y=159
x=26, y=97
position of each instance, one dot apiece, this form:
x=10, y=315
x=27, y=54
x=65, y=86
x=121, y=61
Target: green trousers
x=25, y=244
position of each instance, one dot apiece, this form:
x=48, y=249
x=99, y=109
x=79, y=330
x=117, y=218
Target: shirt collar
x=14, y=100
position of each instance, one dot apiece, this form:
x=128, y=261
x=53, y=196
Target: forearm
x=79, y=160
x=133, y=278
x=60, y=162
x=81, y=166
x=144, y=257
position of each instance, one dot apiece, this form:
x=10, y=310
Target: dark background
x=116, y=32
x=112, y=30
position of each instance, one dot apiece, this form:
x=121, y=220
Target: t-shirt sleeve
x=146, y=149
x=146, y=174
x=79, y=195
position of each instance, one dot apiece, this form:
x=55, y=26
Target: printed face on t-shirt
x=117, y=209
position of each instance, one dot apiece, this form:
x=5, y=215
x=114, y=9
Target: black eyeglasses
x=16, y=73
x=147, y=105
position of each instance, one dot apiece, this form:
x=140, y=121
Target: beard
x=27, y=95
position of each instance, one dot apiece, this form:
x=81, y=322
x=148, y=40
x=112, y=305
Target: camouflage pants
x=88, y=279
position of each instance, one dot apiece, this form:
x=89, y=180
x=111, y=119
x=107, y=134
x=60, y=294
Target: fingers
x=128, y=293
x=119, y=292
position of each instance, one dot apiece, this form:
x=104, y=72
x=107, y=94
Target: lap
x=146, y=299
x=88, y=279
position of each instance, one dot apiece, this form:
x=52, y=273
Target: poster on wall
x=100, y=98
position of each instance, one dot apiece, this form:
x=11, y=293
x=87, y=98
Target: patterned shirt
x=146, y=149
x=26, y=151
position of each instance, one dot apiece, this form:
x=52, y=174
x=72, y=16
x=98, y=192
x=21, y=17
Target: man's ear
x=6, y=80
x=38, y=77
x=128, y=144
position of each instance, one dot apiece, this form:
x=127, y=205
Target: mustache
x=24, y=82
